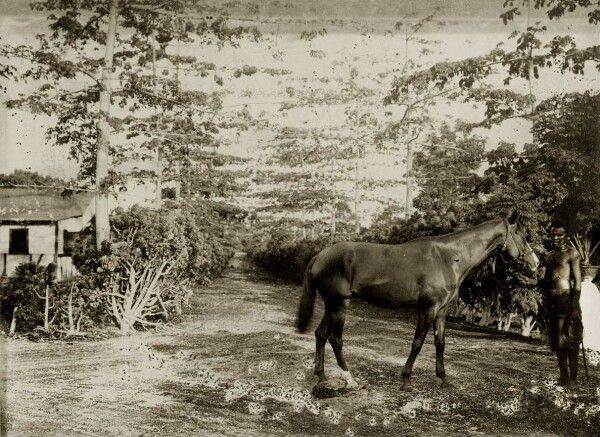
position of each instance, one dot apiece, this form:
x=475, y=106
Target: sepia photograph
x=299, y=218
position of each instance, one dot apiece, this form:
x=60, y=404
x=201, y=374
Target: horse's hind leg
x=321, y=335
x=425, y=317
x=439, y=334
x=338, y=318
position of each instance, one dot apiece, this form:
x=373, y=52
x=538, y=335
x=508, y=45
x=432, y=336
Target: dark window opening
x=18, y=242
x=69, y=239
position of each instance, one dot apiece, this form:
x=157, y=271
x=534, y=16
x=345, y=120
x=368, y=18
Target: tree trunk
x=177, y=179
x=13, y=322
x=357, y=193
x=159, y=175
x=486, y=315
x=469, y=314
x=333, y=223
x=527, y=325
x=504, y=323
x=458, y=308
x=102, y=157
x=157, y=129
x=178, y=162
x=47, y=310
x=47, y=307
x=70, y=312
x=409, y=189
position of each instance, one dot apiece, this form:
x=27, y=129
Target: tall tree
x=475, y=80
x=125, y=31
x=530, y=56
x=446, y=172
x=567, y=133
x=556, y=179
x=304, y=174
x=405, y=130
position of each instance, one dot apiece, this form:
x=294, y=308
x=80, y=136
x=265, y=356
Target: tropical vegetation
x=309, y=183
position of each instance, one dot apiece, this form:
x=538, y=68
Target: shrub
x=80, y=305
x=20, y=297
x=146, y=272
x=285, y=256
x=140, y=278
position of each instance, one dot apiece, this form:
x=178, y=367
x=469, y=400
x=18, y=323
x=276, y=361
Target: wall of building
x=41, y=237
x=42, y=247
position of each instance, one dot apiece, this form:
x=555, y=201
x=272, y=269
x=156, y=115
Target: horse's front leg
x=439, y=334
x=321, y=335
x=425, y=317
x=338, y=317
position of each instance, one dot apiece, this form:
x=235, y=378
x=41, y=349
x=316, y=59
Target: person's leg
x=563, y=366
x=573, y=365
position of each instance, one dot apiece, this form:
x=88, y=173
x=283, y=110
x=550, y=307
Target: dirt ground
x=234, y=366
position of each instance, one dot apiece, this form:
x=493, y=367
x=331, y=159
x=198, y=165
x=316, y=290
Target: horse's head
x=516, y=245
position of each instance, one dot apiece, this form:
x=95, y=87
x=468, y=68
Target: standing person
x=562, y=284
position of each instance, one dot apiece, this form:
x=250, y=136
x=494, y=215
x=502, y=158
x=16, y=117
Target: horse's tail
x=307, y=301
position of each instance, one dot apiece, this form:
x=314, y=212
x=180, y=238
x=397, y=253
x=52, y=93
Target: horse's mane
x=457, y=232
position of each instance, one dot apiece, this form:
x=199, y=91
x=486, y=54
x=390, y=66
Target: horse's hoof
x=406, y=385
x=572, y=385
x=329, y=389
x=447, y=384
x=356, y=387
x=352, y=385
x=350, y=382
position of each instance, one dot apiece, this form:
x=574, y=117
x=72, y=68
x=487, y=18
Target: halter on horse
x=426, y=273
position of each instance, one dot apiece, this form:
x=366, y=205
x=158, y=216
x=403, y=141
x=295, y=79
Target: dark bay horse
x=425, y=272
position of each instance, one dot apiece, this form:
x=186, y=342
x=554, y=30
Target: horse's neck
x=475, y=245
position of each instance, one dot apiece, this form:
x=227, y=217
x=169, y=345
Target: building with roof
x=41, y=225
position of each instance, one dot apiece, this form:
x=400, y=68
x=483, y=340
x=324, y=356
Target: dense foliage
x=286, y=256
x=568, y=134
x=164, y=253
x=553, y=182
x=28, y=178
x=20, y=297
x=152, y=263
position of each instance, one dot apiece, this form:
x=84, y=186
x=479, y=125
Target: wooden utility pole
x=357, y=192
x=409, y=187
x=157, y=129
x=530, y=64
x=177, y=156
x=102, y=157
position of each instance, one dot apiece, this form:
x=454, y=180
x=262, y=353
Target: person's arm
x=575, y=261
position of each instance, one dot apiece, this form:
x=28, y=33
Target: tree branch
x=175, y=102
x=6, y=50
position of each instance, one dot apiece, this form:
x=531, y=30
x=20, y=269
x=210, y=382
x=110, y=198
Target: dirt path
x=234, y=366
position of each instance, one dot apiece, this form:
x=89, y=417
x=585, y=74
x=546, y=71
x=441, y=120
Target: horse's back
x=375, y=257
x=381, y=274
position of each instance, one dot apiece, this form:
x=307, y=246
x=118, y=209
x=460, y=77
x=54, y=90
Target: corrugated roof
x=41, y=204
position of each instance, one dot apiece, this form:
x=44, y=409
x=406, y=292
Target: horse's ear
x=513, y=217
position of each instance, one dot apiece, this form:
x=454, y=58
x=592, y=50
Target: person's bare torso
x=558, y=269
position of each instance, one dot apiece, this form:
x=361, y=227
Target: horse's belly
x=385, y=296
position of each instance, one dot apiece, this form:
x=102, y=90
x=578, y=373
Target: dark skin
x=562, y=282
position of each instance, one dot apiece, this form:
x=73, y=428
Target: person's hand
x=528, y=280
x=576, y=313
